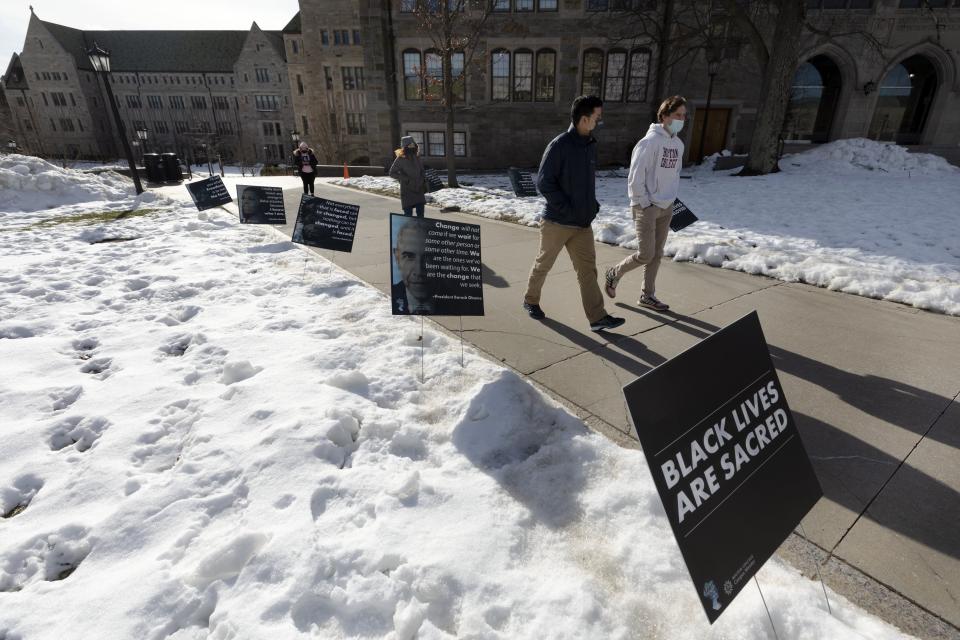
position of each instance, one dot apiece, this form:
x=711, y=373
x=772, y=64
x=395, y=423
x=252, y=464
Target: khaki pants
x=653, y=224
x=583, y=253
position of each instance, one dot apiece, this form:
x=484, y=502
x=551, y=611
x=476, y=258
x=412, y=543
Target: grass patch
x=94, y=217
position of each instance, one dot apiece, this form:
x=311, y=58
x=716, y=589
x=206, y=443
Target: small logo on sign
x=728, y=587
x=710, y=592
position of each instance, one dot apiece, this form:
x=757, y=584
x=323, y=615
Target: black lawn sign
x=435, y=267
x=209, y=193
x=726, y=457
x=682, y=217
x=260, y=205
x=522, y=181
x=326, y=224
x=434, y=181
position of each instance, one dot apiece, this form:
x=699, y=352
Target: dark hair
x=670, y=105
x=583, y=107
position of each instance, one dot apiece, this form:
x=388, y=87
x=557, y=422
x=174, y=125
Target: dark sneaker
x=652, y=303
x=534, y=310
x=606, y=322
x=611, y=283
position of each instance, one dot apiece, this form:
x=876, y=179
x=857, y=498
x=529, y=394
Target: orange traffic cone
x=346, y=172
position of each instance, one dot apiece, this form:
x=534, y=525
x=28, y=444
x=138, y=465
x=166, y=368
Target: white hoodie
x=655, y=164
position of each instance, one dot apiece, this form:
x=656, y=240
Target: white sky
x=137, y=14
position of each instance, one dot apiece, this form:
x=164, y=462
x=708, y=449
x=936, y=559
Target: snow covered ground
x=854, y=215
x=210, y=433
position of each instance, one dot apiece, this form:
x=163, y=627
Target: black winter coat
x=567, y=179
x=309, y=155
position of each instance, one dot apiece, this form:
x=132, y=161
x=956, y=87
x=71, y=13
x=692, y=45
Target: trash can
x=171, y=167
x=151, y=162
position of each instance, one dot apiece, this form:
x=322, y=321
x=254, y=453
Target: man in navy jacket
x=567, y=179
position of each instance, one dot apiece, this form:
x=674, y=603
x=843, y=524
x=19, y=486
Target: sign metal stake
x=817, y=565
x=304, y=275
x=421, y=349
x=461, y=341
x=764, y=600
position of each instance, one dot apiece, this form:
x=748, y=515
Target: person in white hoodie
x=652, y=185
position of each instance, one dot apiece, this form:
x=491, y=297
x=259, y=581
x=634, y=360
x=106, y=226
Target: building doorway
x=718, y=123
x=904, y=102
x=813, y=100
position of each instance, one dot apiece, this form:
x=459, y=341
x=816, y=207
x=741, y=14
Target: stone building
x=222, y=92
x=895, y=78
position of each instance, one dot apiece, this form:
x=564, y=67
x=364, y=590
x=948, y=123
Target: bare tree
x=455, y=28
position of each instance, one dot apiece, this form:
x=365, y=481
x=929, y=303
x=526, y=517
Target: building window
x=267, y=129
x=155, y=102
x=159, y=126
x=460, y=144
x=52, y=125
x=133, y=102
x=590, y=84
x=67, y=124
x=598, y=5
x=293, y=46
x=522, y=76
x=263, y=75
x=225, y=128
x=328, y=76
x=456, y=72
x=44, y=96
x=434, y=76
x=181, y=126
x=73, y=102
x=639, y=72
x=500, y=75
x=60, y=100
x=418, y=138
x=176, y=102
x=333, y=122
x=324, y=38
x=336, y=37
x=500, y=6
x=267, y=103
x=412, y=84
x=198, y=102
x=616, y=71
x=221, y=103
x=408, y=6
x=435, y=143
x=546, y=75
x=346, y=74
x=306, y=125
x=356, y=124
x=356, y=36
x=299, y=84
x=522, y=6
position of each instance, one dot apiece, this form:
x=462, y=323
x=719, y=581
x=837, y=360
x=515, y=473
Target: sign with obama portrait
x=260, y=205
x=326, y=224
x=435, y=267
x=726, y=457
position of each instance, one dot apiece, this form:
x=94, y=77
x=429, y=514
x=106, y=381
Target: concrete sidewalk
x=873, y=385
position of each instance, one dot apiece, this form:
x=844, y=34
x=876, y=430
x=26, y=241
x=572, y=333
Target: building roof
x=158, y=51
x=294, y=25
x=15, y=78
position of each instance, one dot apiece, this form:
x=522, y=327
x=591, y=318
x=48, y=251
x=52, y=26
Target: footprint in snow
x=77, y=431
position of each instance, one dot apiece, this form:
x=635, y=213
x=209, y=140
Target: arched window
x=639, y=73
x=590, y=83
x=433, y=63
x=412, y=81
x=546, y=75
x=616, y=73
x=500, y=75
x=456, y=71
x=522, y=75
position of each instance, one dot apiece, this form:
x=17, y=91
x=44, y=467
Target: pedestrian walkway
x=873, y=386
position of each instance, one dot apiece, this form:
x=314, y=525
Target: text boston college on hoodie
x=655, y=164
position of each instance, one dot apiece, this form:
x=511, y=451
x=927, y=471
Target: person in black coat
x=306, y=162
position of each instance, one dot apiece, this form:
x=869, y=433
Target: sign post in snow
x=522, y=183
x=326, y=224
x=726, y=457
x=209, y=193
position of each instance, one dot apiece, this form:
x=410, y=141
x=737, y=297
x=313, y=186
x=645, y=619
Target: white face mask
x=675, y=126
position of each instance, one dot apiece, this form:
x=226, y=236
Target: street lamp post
x=206, y=156
x=142, y=135
x=100, y=60
x=713, y=67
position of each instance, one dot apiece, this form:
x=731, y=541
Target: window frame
x=514, y=92
x=415, y=74
x=552, y=75
x=493, y=77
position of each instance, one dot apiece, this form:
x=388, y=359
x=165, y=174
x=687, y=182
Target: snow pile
x=29, y=184
x=219, y=435
x=827, y=219
x=855, y=154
